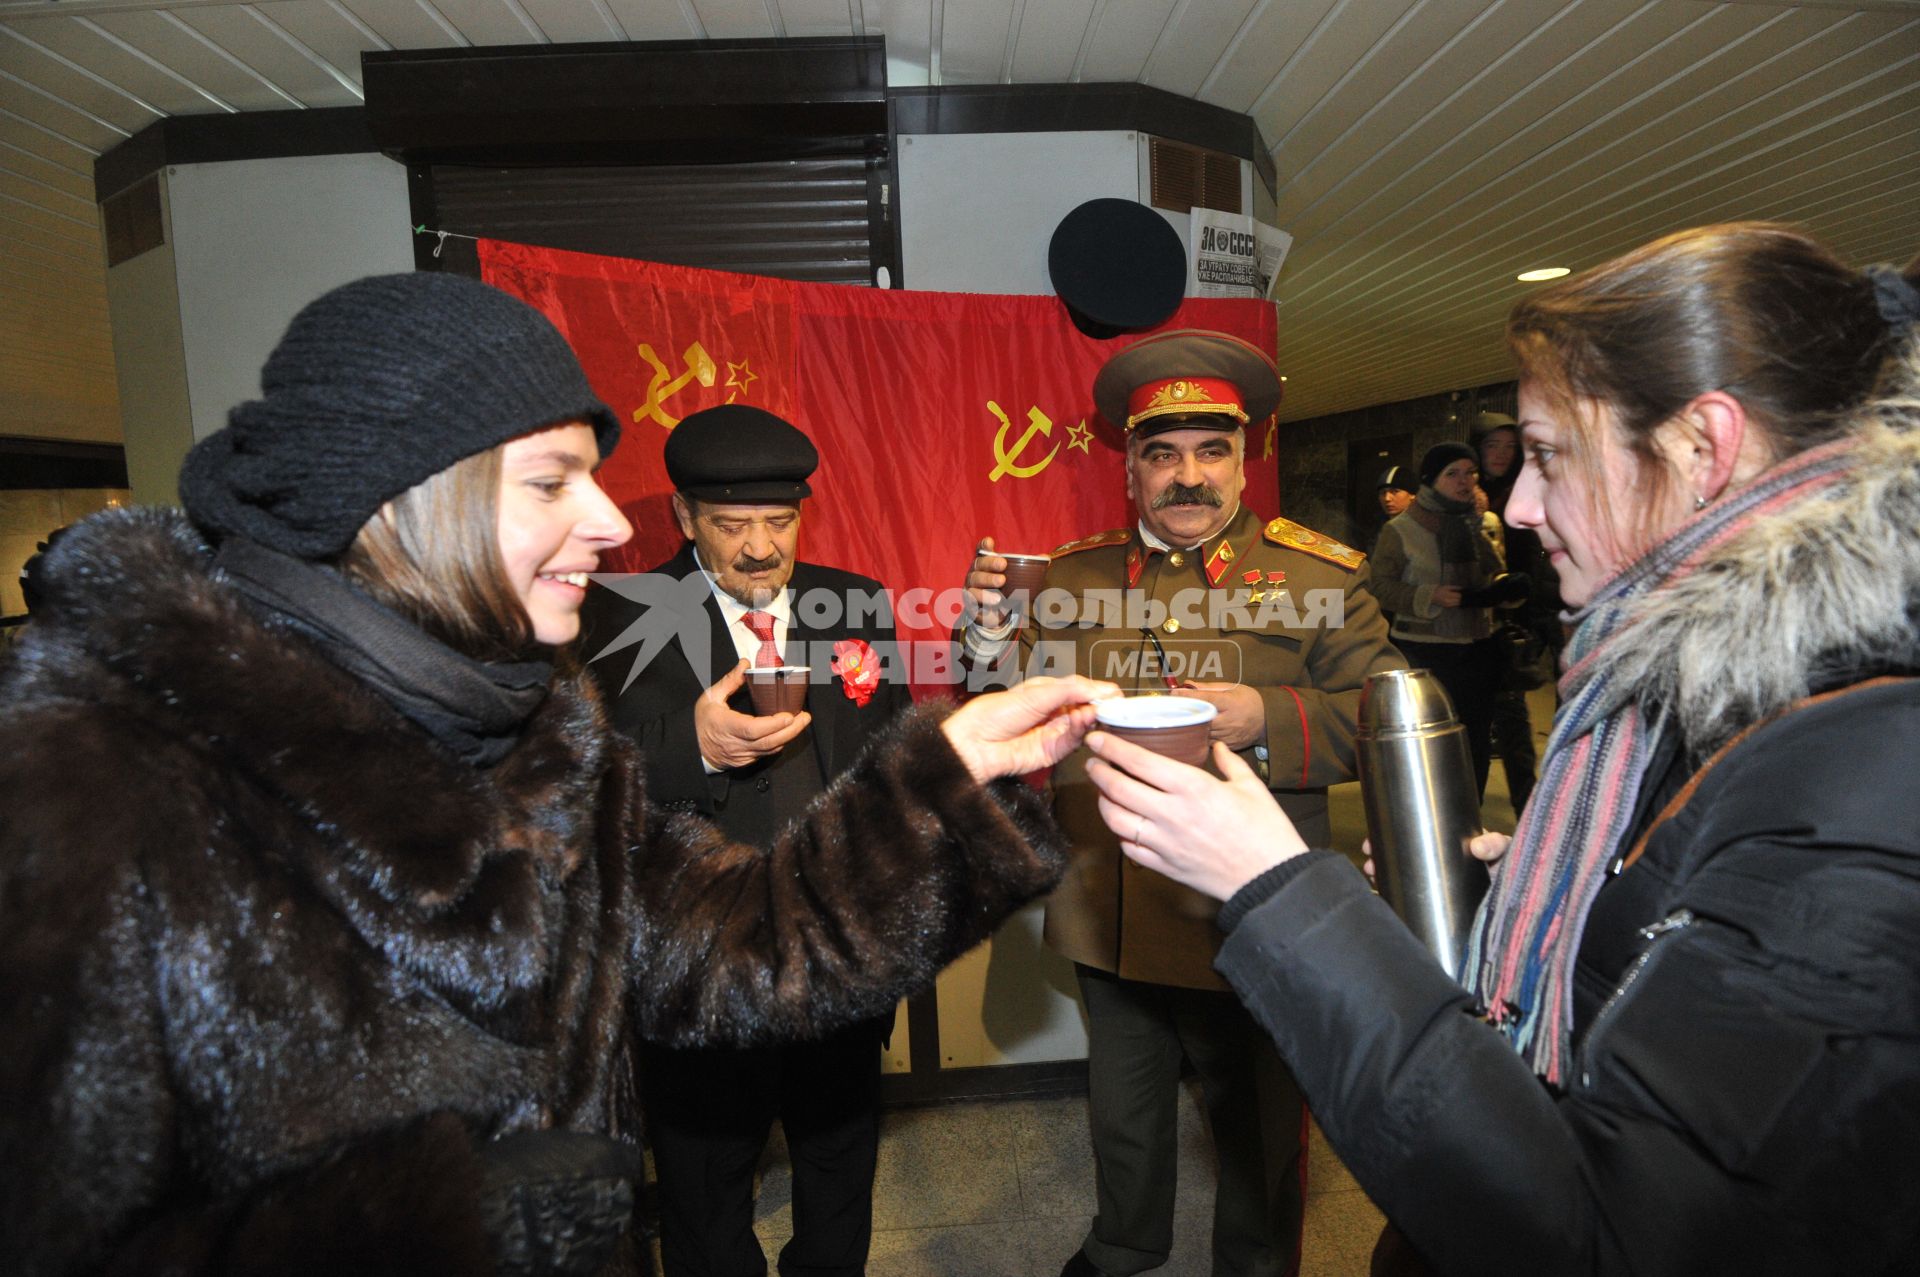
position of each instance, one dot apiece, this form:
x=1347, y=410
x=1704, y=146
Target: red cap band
x=1184, y=395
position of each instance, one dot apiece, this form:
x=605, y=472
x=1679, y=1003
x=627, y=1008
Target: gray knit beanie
x=376, y=386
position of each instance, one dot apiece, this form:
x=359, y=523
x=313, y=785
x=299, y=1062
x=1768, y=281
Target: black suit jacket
x=656, y=709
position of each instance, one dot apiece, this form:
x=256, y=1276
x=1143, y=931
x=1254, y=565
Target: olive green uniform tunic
x=1266, y=603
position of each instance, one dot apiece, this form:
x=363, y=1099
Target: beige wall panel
x=1010, y=1001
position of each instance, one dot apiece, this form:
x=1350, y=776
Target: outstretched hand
x=730, y=739
x=1213, y=835
x=1031, y=725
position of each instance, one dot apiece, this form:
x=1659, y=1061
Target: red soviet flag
x=940, y=417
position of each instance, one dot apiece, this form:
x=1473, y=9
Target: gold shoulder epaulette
x=1290, y=534
x=1093, y=542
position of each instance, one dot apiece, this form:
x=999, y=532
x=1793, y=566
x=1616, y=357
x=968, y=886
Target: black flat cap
x=1168, y=380
x=737, y=452
x=1118, y=267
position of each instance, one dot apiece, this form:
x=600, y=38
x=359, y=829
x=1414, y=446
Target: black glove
x=1508, y=587
x=557, y=1202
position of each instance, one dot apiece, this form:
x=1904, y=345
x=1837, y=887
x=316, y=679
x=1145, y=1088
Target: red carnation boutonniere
x=858, y=668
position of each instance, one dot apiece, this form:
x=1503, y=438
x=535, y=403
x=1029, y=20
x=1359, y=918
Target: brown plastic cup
x=1175, y=726
x=1025, y=573
x=778, y=689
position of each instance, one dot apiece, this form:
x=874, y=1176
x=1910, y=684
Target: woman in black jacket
x=330, y=908
x=1691, y=1041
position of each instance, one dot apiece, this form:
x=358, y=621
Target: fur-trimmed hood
x=1819, y=595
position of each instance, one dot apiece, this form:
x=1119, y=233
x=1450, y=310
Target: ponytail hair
x=1759, y=310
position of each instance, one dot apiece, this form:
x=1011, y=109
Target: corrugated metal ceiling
x=1427, y=150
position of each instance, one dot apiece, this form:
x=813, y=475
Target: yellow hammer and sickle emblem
x=699, y=367
x=1004, y=460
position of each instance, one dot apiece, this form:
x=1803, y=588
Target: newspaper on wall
x=1231, y=255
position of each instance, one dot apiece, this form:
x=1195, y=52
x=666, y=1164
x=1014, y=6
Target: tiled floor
x=1005, y=1189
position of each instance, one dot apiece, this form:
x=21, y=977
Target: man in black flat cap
x=740, y=475
x=1273, y=624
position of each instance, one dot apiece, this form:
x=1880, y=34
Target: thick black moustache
x=1188, y=494
x=745, y=564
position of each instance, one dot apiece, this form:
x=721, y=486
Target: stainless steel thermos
x=1416, y=781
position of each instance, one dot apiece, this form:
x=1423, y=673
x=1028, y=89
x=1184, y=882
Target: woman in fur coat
x=330, y=907
x=1691, y=1041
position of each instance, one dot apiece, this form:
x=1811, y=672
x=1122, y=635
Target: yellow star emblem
x=740, y=377
x=1080, y=437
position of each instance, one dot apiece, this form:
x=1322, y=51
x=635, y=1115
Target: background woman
x=1701, y=941
x=1435, y=570
x=330, y=908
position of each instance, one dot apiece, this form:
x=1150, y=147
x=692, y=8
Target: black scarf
x=1455, y=525
x=475, y=709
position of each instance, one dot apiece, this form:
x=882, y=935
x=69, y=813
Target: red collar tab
x=1183, y=395
x=1219, y=561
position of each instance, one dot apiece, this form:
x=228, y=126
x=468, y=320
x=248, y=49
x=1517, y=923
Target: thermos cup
x=1416, y=782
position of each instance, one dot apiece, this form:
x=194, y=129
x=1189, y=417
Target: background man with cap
x=1286, y=680
x=740, y=475
x=1396, y=490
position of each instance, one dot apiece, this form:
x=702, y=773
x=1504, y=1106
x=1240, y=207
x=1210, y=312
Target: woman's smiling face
x=555, y=522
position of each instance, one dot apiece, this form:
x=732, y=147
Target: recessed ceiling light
x=1544, y=273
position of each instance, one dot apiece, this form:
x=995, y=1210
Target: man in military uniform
x=1274, y=625
x=740, y=474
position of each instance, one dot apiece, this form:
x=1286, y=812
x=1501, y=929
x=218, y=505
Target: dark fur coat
x=272, y=966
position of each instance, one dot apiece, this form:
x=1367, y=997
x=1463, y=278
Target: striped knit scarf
x=1522, y=946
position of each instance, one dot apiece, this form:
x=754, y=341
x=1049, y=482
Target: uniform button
x=762, y=784
x=1176, y=560
x=1173, y=626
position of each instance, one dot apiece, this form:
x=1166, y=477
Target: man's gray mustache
x=1188, y=494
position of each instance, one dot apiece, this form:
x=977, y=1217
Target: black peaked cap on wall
x=1118, y=267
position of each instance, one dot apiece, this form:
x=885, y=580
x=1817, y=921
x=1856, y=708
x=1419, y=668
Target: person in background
x=1398, y=486
x=1436, y=572
x=740, y=477
x=1287, y=689
x=1511, y=739
x=1530, y=635
x=330, y=906
x=1396, y=490
x=1691, y=1036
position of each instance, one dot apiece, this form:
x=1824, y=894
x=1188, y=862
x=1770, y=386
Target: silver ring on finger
x=1139, y=828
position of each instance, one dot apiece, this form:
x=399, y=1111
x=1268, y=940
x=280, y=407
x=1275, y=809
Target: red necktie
x=761, y=623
